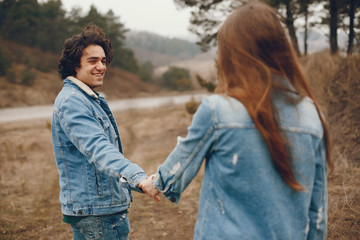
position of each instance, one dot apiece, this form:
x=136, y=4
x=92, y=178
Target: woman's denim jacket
x=242, y=195
x=95, y=178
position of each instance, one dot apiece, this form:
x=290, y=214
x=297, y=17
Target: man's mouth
x=98, y=74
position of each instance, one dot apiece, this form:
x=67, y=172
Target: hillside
x=336, y=82
x=160, y=50
x=164, y=52
x=45, y=83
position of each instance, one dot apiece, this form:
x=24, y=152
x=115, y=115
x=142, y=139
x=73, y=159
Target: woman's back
x=265, y=143
x=243, y=195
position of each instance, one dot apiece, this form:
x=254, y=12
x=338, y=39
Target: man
x=95, y=178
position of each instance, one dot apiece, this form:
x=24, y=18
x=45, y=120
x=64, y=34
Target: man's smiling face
x=92, y=66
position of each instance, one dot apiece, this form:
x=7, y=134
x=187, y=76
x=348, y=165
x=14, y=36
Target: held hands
x=149, y=189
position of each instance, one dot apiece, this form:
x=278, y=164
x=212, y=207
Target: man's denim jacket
x=95, y=178
x=242, y=195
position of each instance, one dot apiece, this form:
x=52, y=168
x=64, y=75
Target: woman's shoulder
x=226, y=108
x=309, y=116
x=223, y=101
x=302, y=117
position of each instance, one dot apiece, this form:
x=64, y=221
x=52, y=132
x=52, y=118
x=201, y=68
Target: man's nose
x=100, y=65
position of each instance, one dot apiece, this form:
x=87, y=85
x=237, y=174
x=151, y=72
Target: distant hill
x=46, y=83
x=160, y=50
x=164, y=52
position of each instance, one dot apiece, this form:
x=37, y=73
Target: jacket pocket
x=125, y=192
x=108, y=129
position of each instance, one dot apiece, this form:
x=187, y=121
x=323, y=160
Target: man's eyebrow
x=96, y=58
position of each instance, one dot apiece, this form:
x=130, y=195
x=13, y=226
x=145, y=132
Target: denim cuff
x=135, y=180
x=158, y=184
x=173, y=197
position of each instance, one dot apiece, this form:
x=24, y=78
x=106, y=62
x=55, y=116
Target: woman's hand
x=148, y=188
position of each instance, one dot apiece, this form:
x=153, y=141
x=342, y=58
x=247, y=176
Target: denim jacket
x=95, y=178
x=242, y=195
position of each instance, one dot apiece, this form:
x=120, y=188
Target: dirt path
x=29, y=180
x=29, y=207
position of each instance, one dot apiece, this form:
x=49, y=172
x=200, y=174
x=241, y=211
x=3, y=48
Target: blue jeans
x=107, y=227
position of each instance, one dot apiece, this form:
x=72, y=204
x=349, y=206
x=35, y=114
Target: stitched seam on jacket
x=289, y=129
x=57, y=113
x=191, y=157
x=196, y=149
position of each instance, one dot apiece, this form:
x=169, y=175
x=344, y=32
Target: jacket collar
x=83, y=86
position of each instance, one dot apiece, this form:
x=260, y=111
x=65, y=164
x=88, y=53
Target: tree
x=210, y=86
x=289, y=21
x=46, y=26
x=333, y=26
x=21, y=22
x=209, y=14
x=93, y=16
x=206, y=18
x=292, y=8
x=5, y=62
x=5, y=8
x=124, y=57
x=146, y=71
x=304, y=9
x=351, y=27
x=176, y=78
x=52, y=26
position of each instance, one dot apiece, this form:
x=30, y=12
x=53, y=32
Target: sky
x=158, y=16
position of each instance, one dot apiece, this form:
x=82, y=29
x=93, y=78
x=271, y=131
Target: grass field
x=29, y=188
x=29, y=206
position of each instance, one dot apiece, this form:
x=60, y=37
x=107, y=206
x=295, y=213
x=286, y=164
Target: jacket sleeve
x=184, y=162
x=318, y=212
x=85, y=131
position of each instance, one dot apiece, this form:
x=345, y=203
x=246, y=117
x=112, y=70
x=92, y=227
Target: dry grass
x=29, y=207
x=344, y=203
x=118, y=84
x=47, y=84
x=28, y=183
x=336, y=83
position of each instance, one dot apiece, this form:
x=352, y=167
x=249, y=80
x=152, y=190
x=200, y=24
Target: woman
x=264, y=141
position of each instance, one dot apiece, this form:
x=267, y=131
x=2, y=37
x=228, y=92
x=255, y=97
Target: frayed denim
x=114, y=227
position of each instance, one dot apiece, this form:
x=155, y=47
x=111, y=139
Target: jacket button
x=173, y=199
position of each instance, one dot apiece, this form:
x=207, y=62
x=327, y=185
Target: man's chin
x=96, y=84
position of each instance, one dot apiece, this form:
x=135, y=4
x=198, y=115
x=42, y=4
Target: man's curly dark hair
x=74, y=46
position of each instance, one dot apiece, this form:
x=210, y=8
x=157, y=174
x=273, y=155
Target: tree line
x=46, y=25
x=335, y=14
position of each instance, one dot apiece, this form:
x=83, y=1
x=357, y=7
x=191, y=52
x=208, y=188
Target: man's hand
x=148, y=188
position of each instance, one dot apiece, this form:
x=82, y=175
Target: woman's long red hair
x=252, y=49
